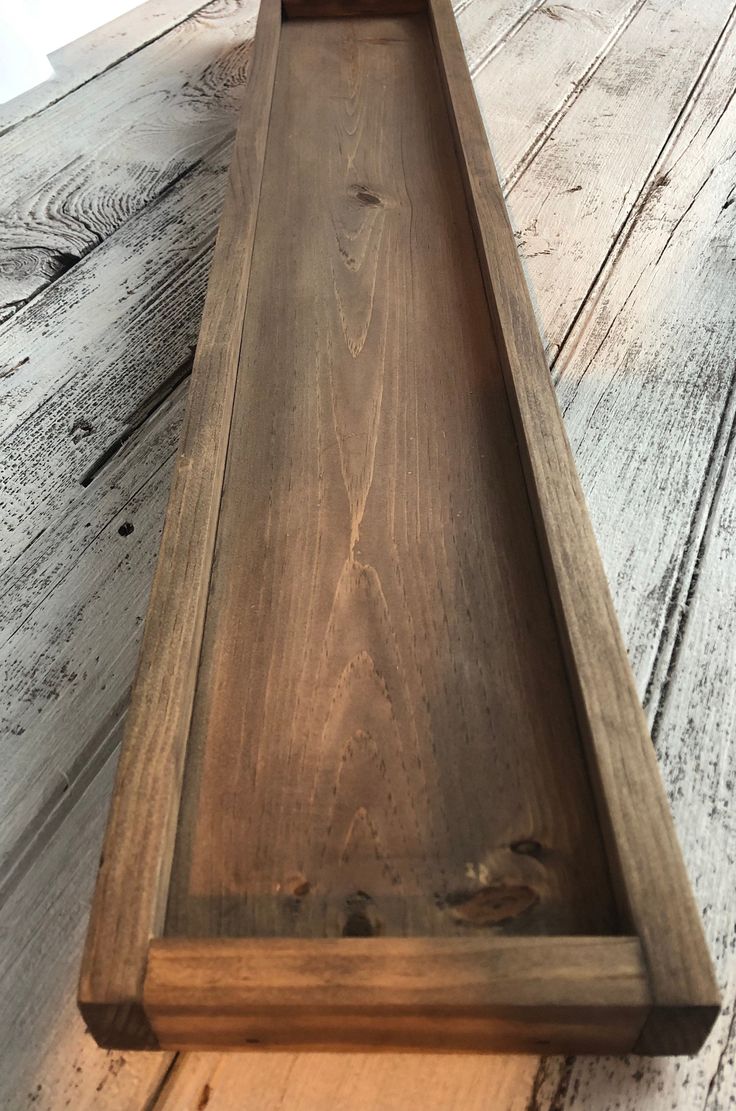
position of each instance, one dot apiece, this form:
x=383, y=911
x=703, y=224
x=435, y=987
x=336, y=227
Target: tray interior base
x=383, y=741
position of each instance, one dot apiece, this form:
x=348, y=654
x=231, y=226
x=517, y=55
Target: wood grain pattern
x=632, y=805
x=84, y=59
x=331, y=674
x=119, y=144
x=620, y=468
x=481, y=993
x=131, y=890
x=75, y=618
x=369, y=703
x=267, y=1081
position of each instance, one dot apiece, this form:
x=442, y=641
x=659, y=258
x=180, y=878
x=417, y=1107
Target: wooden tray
x=386, y=782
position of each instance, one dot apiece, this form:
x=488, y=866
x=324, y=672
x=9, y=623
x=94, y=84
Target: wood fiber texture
x=406, y=993
x=383, y=738
x=645, y=377
x=382, y=694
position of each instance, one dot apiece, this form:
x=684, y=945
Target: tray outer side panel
x=130, y=896
x=652, y=885
x=548, y=995
x=383, y=739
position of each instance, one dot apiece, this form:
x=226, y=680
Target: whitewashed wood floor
x=614, y=125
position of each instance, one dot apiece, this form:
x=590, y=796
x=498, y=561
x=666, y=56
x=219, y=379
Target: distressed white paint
x=572, y=200
x=72, y=175
x=558, y=48
x=67, y=669
x=49, y=1062
x=696, y=743
x=86, y=57
x=649, y=371
x=118, y=342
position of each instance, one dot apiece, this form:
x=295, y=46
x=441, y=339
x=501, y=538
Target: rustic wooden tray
x=386, y=781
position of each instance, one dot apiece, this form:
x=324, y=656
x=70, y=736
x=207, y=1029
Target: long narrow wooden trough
x=386, y=781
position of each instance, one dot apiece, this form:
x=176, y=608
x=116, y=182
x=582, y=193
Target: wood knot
x=526, y=847
x=361, y=919
x=490, y=906
x=366, y=196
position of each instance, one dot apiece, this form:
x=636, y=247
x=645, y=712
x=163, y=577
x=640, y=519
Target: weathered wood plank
x=116, y=143
x=591, y=166
x=82, y=60
x=123, y=350
x=48, y=1062
x=695, y=726
x=561, y=45
x=64, y=679
x=647, y=373
x=484, y=34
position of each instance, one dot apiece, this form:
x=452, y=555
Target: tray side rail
x=132, y=885
x=647, y=869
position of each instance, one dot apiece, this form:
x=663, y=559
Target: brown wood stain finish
x=383, y=739
x=384, y=725
x=130, y=897
x=451, y=994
